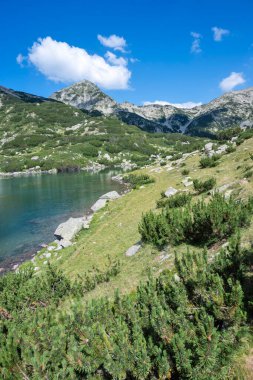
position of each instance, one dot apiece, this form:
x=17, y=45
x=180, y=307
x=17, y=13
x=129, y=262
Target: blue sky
x=167, y=49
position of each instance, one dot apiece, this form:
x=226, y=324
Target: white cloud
x=233, y=80
x=134, y=60
x=218, y=33
x=195, y=48
x=20, y=59
x=178, y=105
x=114, y=60
x=113, y=41
x=60, y=62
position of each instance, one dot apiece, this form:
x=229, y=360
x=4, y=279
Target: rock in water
x=170, y=191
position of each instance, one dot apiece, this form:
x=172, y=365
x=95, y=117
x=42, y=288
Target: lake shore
x=12, y=263
x=92, y=168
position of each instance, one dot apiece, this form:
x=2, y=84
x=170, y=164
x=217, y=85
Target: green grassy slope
x=115, y=228
x=50, y=134
x=195, y=324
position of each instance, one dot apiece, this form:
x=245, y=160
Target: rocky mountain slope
x=230, y=110
x=86, y=96
x=42, y=134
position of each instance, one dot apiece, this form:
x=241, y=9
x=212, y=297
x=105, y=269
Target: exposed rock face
x=170, y=191
x=67, y=230
x=87, y=96
x=232, y=109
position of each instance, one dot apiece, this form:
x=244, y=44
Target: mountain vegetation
x=42, y=134
x=181, y=306
x=232, y=110
x=81, y=127
x=174, y=327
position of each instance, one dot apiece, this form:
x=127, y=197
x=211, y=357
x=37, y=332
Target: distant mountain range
x=230, y=110
x=45, y=134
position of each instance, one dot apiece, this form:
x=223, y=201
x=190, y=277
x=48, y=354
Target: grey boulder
x=65, y=243
x=187, y=181
x=133, y=250
x=70, y=228
x=99, y=204
x=170, y=191
x=111, y=195
x=208, y=147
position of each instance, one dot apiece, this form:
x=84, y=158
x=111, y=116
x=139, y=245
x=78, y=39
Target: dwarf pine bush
x=177, y=200
x=209, y=162
x=197, y=223
x=203, y=186
x=185, y=171
x=187, y=327
x=138, y=180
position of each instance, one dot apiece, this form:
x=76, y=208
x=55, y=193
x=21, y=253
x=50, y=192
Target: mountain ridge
x=231, y=109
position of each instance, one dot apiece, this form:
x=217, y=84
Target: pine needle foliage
x=177, y=200
x=202, y=222
x=137, y=180
x=174, y=327
x=204, y=186
x=209, y=162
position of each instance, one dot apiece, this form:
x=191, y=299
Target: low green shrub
x=209, y=162
x=203, y=186
x=112, y=148
x=248, y=174
x=199, y=223
x=185, y=171
x=89, y=150
x=230, y=149
x=188, y=326
x=177, y=200
x=176, y=156
x=228, y=133
x=136, y=180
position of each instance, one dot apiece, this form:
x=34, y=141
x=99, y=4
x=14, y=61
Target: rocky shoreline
x=66, y=231
x=94, y=168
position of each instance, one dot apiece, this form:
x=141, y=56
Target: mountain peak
x=233, y=108
x=87, y=96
